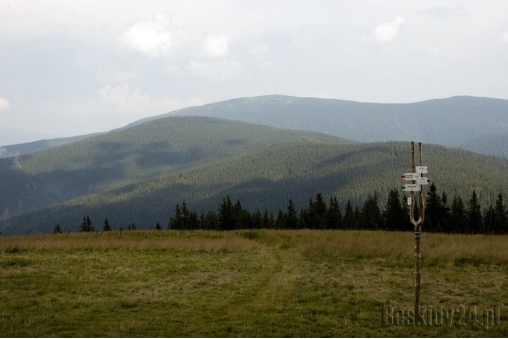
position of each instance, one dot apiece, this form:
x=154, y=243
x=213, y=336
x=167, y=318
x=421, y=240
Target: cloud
x=504, y=37
x=444, y=12
x=216, y=46
x=386, y=32
x=124, y=100
x=151, y=38
x=217, y=70
x=133, y=102
x=434, y=51
x=105, y=76
x=4, y=105
x=259, y=51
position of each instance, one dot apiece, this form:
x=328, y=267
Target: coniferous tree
x=280, y=220
x=457, y=222
x=349, y=217
x=370, y=216
x=158, y=226
x=432, y=209
x=320, y=211
x=226, y=218
x=107, y=226
x=86, y=226
x=291, y=217
x=489, y=221
x=445, y=213
x=334, y=216
x=501, y=219
x=176, y=222
x=57, y=229
x=474, y=215
x=394, y=217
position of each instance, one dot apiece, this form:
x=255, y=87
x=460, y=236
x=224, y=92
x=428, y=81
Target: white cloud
x=4, y=104
x=217, y=70
x=105, y=76
x=386, y=32
x=133, y=102
x=504, y=37
x=216, y=46
x=124, y=100
x=444, y=12
x=151, y=38
x=259, y=51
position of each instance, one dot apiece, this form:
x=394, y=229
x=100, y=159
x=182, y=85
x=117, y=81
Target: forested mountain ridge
x=267, y=177
x=448, y=122
x=465, y=122
x=126, y=156
x=30, y=147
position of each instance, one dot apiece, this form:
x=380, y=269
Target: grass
x=261, y=283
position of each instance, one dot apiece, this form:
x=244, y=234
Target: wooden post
x=417, y=231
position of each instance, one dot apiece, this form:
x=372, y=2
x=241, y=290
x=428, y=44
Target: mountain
x=442, y=121
x=464, y=122
x=115, y=159
x=492, y=144
x=17, y=136
x=267, y=177
x=30, y=147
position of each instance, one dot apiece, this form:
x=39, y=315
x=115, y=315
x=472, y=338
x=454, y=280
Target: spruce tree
x=394, y=217
x=334, y=216
x=226, y=219
x=57, y=229
x=291, y=217
x=501, y=219
x=158, y=226
x=432, y=209
x=457, y=222
x=107, y=226
x=349, y=217
x=474, y=215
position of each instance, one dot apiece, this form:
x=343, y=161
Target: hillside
x=268, y=177
x=115, y=159
x=442, y=121
x=30, y=147
x=492, y=144
x=465, y=122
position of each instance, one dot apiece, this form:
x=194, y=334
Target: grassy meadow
x=262, y=283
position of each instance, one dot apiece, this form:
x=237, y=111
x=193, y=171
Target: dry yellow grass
x=489, y=249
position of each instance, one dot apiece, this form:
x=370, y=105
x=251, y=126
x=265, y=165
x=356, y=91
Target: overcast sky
x=76, y=67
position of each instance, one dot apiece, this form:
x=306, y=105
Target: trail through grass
x=247, y=283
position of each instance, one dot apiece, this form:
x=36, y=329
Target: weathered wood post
x=416, y=186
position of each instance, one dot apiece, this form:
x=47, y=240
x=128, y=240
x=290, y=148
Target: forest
x=441, y=216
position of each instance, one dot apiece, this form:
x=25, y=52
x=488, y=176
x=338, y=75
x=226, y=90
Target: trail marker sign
x=422, y=169
x=412, y=188
x=410, y=176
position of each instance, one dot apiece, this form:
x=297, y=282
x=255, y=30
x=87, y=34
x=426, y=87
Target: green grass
x=244, y=284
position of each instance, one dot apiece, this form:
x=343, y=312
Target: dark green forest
x=441, y=216
x=138, y=174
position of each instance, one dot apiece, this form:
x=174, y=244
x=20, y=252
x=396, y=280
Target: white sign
x=412, y=188
x=409, y=201
x=422, y=181
x=410, y=176
x=422, y=169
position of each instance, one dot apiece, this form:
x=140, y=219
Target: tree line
x=440, y=216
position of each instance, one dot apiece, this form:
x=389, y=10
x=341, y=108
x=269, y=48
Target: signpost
x=416, y=186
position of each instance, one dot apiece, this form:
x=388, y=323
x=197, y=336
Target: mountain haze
x=446, y=122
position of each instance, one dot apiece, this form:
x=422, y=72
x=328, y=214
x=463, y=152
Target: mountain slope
x=268, y=177
x=130, y=155
x=30, y=147
x=442, y=121
x=492, y=144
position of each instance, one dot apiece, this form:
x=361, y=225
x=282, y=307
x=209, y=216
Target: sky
x=76, y=67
